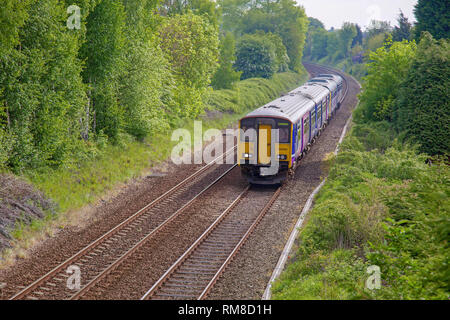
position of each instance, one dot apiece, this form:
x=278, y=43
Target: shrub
x=423, y=103
x=386, y=71
x=256, y=57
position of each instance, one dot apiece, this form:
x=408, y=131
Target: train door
x=306, y=131
x=321, y=114
x=264, y=140
x=313, y=123
x=328, y=105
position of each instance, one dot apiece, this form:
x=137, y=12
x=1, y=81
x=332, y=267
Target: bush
x=256, y=57
x=423, y=104
x=387, y=70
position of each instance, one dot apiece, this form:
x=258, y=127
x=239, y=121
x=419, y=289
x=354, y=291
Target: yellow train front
x=264, y=149
x=273, y=138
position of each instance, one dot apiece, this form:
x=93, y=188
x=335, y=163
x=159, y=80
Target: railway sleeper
x=201, y=262
x=184, y=284
x=182, y=296
x=189, y=274
x=211, y=270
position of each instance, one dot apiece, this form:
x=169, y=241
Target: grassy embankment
x=381, y=205
x=74, y=186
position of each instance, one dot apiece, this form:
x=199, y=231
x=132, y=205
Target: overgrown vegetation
x=385, y=202
x=381, y=205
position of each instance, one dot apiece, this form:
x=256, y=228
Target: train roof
x=338, y=79
x=314, y=91
x=328, y=83
x=294, y=105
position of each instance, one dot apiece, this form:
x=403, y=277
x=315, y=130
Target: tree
x=423, y=103
x=225, y=75
x=386, y=72
x=316, y=40
x=12, y=17
x=403, y=30
x=41, y=88
x=143, y=90
x=346, y=35
x=319, y=43
x=281, y=56
x=358, y=39
x=378, y=27
x=433, y=16
x=315, y=23
x=233, y=12
x=292, y=28
x=283, y=18
x=256, y=57
x=206, y=8
x=191, y=46
x=104, y=51
x=333, y=46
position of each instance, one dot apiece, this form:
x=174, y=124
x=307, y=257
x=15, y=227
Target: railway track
x=105, y=254
x=194, y=274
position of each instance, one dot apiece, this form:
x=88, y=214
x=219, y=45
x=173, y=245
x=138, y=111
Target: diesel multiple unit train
x=273, y=138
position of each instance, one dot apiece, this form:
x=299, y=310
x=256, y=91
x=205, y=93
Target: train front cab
x=255, y=149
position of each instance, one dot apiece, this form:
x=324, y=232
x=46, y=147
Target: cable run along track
x=105, y=254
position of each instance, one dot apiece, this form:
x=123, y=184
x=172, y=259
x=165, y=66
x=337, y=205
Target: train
x=274, y=138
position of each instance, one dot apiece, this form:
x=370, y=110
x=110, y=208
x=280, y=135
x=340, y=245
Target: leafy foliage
x=387, y=70
x=433, y=16
x=403, y=31
x=42, y=94
x=191, y=46
x=256, y=56
x=283, y=18
x=384, y=208
x=225, y=75
x=104, y=51
x=423, y=104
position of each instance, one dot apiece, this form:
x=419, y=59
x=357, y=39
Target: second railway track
x=103, y=255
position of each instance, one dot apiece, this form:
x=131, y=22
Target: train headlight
x=247, y=155
x=282, y=157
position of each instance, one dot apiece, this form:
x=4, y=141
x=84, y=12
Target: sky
x=333, y=13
